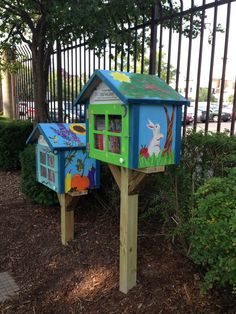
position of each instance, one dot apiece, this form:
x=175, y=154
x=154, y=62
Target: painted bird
x=79, y=165
x=54, y=138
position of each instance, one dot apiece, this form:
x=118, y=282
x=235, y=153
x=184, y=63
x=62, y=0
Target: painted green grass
x=154, y=161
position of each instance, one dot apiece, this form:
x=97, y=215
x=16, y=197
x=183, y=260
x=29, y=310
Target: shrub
x=206, y=167
x=35, y=191
x=213, y=242
x=13, y=135
x=202, y=157
x=172, y=194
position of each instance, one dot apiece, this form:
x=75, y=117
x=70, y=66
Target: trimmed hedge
x=35, y=191
x=13, y=135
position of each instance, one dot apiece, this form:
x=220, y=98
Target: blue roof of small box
x=133, y=88
x=60, y=135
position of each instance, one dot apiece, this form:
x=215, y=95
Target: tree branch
x=167, y=114
x=19, y=12
x=23, y=38
x=48, y=55
x=172, y=115
x=10, y=33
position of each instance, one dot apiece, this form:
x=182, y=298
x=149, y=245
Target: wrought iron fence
x=190, y=46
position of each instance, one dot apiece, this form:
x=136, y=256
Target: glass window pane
x=115, y=123
x=43, y=172
x=51, y=161
x=99, y=141
x=51, y=175
x=114, y=144
x=99, y=122
x=43, y=158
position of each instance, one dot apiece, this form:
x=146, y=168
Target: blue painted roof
x=133, y=88
x=60, y=135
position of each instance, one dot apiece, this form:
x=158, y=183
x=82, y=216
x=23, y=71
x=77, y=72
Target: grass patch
x=154, y=160
x=4, y=120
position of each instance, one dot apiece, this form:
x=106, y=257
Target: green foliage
x=69, y=85
x=13, y=135
x=230, y=99
x=202, y=157
x=214, y=231
x=203, y=92
x=8, y=58
x=35, y=191
x=173, y=197
x=160, y=58
x=39, y=24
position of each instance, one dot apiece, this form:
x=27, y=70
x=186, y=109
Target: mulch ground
x=83, y=276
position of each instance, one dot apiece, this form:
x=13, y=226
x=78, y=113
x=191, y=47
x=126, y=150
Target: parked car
x=213, y=116
x=199, y=115
x=31, y=112
x=69, y=111
x=68, y=115
x=22, y=108
x=189, y=116
x=26, y=109
x=189, y=119
x=228, y=108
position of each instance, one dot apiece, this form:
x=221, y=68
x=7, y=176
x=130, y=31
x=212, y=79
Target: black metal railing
x=189, y=44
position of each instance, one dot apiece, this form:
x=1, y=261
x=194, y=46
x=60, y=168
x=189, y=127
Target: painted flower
x=66, y=134
x=144, y=152
x=154, y=87
x=77, y=128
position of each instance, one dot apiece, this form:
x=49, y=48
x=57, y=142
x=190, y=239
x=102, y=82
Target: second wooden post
x=67, y=220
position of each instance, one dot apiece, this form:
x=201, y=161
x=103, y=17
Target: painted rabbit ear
x=150, y=123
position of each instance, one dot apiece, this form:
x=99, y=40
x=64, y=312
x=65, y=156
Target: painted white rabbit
x=154, y=145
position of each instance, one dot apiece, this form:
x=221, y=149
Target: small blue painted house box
x=62, y=162
x=134, y=120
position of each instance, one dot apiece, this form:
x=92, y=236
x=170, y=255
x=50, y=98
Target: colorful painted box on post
x=134, y=120
x=62, y=162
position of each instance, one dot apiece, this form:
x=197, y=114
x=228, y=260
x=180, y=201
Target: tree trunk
x=168, y=144
x=41, y=53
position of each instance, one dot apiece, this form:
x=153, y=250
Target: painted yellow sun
x=121, y=77
x=77, y=128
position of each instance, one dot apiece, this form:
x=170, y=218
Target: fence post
x=59, y=82
x=1, y=105
x=153, y=41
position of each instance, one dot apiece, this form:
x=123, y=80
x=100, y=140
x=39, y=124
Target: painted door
x=109, y=133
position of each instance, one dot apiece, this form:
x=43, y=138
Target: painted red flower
x=144, y=152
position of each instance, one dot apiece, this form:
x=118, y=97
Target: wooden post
x=7, y=97
x=67, y=220
x=129, y=181
x=128, y=234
